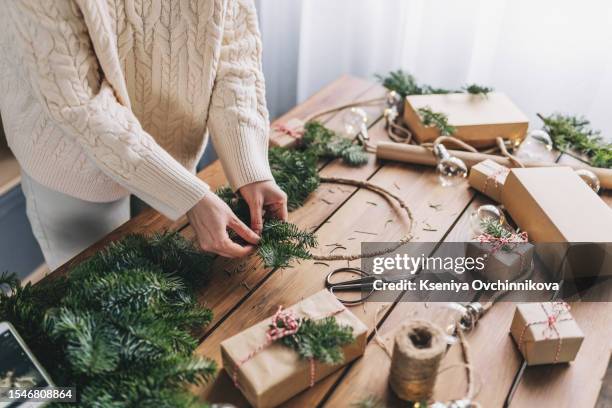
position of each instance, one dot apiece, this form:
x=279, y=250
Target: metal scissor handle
x=362, y=284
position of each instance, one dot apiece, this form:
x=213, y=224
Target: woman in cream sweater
x=100, y=99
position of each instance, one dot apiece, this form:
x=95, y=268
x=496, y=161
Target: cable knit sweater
x=100, y=98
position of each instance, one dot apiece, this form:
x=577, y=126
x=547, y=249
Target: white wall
x=548, y=55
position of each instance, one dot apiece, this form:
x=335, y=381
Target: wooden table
x=242, y=293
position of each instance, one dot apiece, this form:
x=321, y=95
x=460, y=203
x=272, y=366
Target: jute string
x=418, y=349
x=414, y=371
x=389, y=196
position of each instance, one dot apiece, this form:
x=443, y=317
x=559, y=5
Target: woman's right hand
x=210, y=218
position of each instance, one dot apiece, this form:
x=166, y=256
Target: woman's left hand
x=264, y=196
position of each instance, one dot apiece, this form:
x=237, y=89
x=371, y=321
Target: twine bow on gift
x=500, y=242
x=558, y=309
x=289, y=131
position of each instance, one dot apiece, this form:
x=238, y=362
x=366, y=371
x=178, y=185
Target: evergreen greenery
x=295, y=171
x=575, y=133
x=406, y=84
x=475, y=89
x=495, y=228
x=282, y=242
x=437, y=119
x=321, y=340
x=326, y=144
x=119, y=326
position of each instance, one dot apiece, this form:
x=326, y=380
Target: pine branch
x=436, y=119
x=282, y=242
x=321, y=340
x=475, y=89
x=575, y=133
x=406, y=84
x=495, y=228
x=325, y=143
x=91, y=345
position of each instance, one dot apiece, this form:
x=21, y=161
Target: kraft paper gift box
x=554, y=205
x=277, y=373
x=488, y=177
x=542, y=341
x=504, y=263
x=478, y=119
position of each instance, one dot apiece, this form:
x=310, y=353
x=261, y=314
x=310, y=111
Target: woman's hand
x=210, y=218
x=264, y=196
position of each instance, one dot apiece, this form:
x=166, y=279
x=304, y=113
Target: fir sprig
x=321, y=340
x=406, y=84
x=282, y=242
x=495, y=228
x=575, y=133
x=475, y=89
x=436, y=119
x=325, y=143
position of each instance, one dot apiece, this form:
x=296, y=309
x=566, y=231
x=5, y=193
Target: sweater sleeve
x=239, y=122
x=65, y=76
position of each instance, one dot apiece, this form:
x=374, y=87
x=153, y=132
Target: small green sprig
x=325, y=143
x=436, y=119
x=406, y=84
x=281, y=242
x=321, y=340
x=495, y=228
x=475, y=89
x=574, y=133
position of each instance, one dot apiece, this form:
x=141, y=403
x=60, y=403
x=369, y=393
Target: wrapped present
x=478, y=120
x=488, y=177
x=546, y=333
x=267, y=371
x=557, y=207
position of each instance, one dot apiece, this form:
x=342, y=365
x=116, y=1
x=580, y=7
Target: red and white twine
x=550, y=330
x=284, y=323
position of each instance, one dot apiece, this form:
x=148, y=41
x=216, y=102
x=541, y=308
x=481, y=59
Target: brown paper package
x=540, y=346
x=502, y=264
x=277, y=373
x=488, y=177
x=555, y=206
x=478, y=119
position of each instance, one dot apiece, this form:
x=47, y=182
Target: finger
x=231, y=249
x=255, y=209
x=243, y=231
x=278, y=210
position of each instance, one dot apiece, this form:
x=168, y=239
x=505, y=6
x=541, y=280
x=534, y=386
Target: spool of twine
x=418, y=349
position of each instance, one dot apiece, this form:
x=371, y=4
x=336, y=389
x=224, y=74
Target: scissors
x=363, y=284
